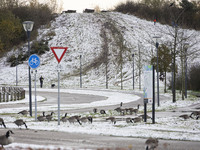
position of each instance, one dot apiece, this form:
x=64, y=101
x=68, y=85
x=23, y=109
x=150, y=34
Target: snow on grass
x=165, y=127
x=81, y=33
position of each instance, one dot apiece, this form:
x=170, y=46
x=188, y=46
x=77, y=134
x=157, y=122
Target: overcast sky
x=80, y=5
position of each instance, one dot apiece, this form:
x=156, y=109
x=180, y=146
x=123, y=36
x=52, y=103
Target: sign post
x=149, y=91
x=59, y=53
x=34, y=62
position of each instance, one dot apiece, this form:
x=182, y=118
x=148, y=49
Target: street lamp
x=28, y=26
x=157, y=44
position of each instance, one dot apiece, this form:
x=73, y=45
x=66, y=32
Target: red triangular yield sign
x=59, y=52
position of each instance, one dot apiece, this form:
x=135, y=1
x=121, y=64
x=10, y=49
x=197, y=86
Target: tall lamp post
x=157, y=44
x=28, y=26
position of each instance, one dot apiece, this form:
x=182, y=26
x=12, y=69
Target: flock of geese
x=151, y=143
x=126, y=111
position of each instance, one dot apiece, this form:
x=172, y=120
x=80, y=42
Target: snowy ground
x=169, y=127
x=82, y=34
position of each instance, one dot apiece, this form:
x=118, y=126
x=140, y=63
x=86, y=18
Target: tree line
x=165, y=12
x=14, y=12
x=182, y=14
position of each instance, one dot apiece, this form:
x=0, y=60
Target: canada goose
x=84, y=119
x=137, y=119
x=197, y=118
x=73, y=119
x=112, y=119
x=151, y=143
x=23, y=112
x=95, y=110
x=77, y=117
x=136, y=110
x=194, y=114
x=129, y=110
x=147, y=117
x=20, y=122
x=49, y=117
x=90, y=119
x=6, y=139
x=118, y=109
x=102, y=111
x=123, y=112
x=129, y=120
x=64, y=119
x=2, y=122
x=184, y=116
x=41, y=118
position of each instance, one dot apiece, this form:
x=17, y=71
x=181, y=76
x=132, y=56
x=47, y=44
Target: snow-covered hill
x=95, y=36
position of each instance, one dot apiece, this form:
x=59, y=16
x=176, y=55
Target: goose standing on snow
x=129, y=120
x=49, y=117
x=137, y=119
x=90, y=119
x=6, y=139
x=151, y=143
x=147, y=117
x=84, y=119
x=20, y=122
x=64, y=119
x=41, y=118
x=74, y=119
x=112, y=119
x=23, y=112
x=185, y=116
x=102, y=111
x=136, y=110
x=2, y=122
x=194, y=114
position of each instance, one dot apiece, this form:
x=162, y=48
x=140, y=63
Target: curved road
x=75, y=140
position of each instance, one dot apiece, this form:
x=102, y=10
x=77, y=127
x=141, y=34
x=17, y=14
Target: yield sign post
x=59, y=53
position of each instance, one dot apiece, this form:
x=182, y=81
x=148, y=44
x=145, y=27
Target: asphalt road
x=87, y=141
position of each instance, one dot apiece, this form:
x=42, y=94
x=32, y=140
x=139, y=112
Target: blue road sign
x=34, y=61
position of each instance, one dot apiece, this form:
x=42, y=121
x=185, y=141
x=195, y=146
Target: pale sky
x=80, y=5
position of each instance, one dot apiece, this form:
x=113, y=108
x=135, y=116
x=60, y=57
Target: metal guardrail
x=11, y=93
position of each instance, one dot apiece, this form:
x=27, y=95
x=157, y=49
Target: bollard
x=15, y=96
x=23, y=93
x=18, y=95
x=11, y=96
x=7, y=96
x=4, y=96
x=3, y=91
